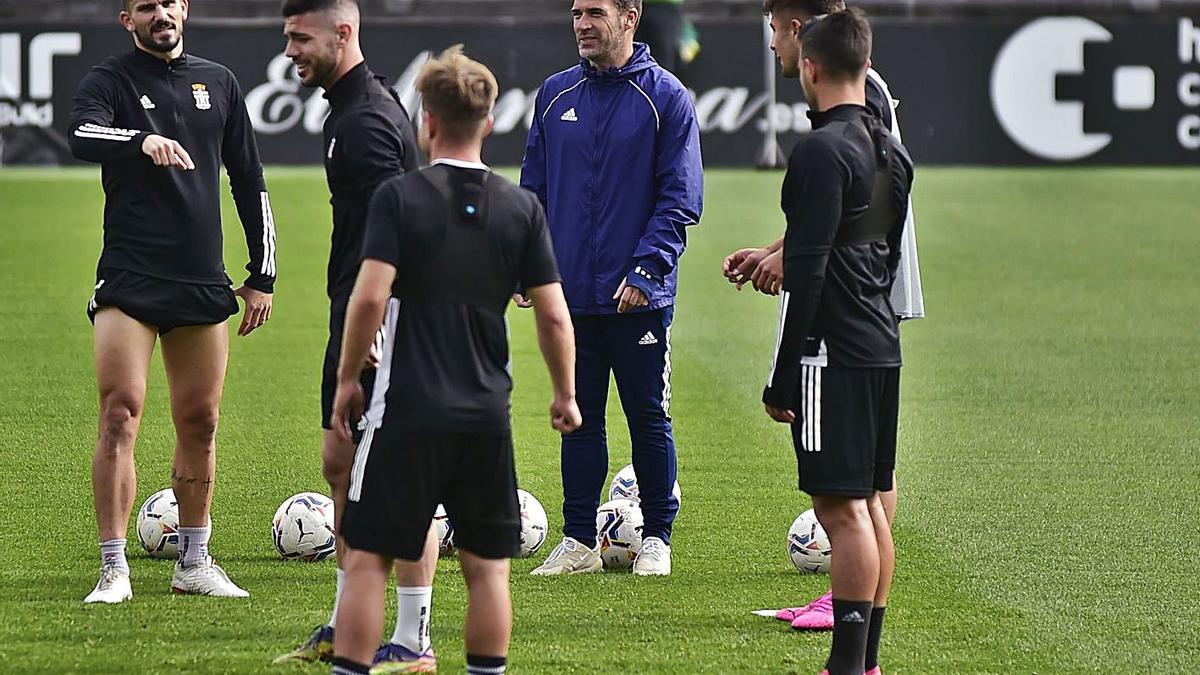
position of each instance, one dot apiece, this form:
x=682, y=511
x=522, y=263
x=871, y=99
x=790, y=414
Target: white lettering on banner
x=1189, y=41
x=1024, y=81
x=1188, y=132
x=10, y=65
x=277, y=106
x=43, y=48
x=26, y=115
x=1189, y=90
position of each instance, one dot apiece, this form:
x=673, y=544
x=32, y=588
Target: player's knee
x=335, y=466
x=479, y=571
x=198, y=425
x=840, y=514
x=119, y=418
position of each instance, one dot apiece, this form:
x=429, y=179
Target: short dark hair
x=806, y=7
x=296, y=7
x=839, y=42
x=626, y=5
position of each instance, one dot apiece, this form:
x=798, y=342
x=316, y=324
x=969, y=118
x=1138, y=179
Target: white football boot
x=112, y=588
x=654, y=560
x=570, y=557
x=207, y=578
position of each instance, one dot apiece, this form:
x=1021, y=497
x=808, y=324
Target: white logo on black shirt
x=147, y=103
x=200, y=93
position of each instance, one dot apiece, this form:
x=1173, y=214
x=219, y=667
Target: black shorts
x=845, y=430
x=333, y=351
x=399, y=477
x=164, y=304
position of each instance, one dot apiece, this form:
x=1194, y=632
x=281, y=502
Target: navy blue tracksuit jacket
x=614, y=157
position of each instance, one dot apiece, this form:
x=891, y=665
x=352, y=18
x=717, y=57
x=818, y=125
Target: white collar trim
x=448, y=161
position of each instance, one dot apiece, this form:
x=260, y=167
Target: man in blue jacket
x=614, y=156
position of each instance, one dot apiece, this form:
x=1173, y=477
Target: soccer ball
x=534, y=524
x=158, y=525
x=445, y=531
x=808, y=545
x=624, y=486
x=619, y=532
x=303, y=528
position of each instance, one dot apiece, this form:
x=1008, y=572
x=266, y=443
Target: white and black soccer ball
x=625, y=486
x=445, y=531
x=619, y=533
x=534, y=524
x=158, y=525
x=808, y=545
x=303, y=528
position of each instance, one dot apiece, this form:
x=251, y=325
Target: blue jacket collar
x=641, y=60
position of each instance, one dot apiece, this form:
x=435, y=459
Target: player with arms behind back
x=368, y=139
x=835, y=377
x=444, y=249
x=763, y=267
x=162, y=123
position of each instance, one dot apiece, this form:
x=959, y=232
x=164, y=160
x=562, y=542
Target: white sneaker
x=570, y=557
x=654, y=559
x=113, y=587
x=207, y=578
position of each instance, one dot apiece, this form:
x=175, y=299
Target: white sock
x=413, y=604
x=112, y=553
x=337, y=598
x=193, y=545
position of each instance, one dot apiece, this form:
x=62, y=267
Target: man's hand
x=740, y=265
x=768, y=278
x=166, y=152
x=258, y=309
x=347, y=408
x=564, y=415
x=780, y=415
x=522, y=301
x=629, y=296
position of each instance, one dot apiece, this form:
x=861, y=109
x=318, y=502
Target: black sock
x=343, y=666
x=485, y=665
x=873, y=634
x=851, y=620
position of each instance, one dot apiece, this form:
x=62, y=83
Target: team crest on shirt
x=200, y=93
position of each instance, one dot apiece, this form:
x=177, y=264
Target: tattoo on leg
x=176, y=478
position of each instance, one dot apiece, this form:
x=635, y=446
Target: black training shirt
x=161, y=221
x=461, y=239
x=368, y=139
x=845, y=196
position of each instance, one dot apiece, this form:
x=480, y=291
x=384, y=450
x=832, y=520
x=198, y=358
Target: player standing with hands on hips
x=835, y=377
x=368, y=139
x=614, y=156
x=438, y=420
x=161, y=123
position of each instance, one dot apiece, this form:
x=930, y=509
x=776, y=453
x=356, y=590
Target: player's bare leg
x=818, y=614
x=410, y=648
x=337, y=456
x=360, y=612
x=853, y=574
x=882, y=522
x=123, y=347
x=489, y=608
x=195, y=358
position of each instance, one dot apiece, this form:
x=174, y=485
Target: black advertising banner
x=1056, y=89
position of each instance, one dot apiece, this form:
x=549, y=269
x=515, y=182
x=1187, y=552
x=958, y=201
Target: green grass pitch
x=1049, y=518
